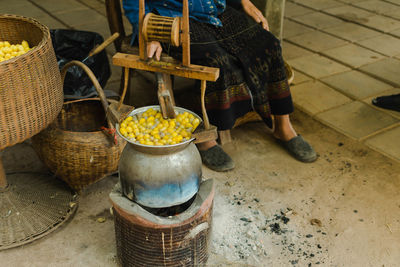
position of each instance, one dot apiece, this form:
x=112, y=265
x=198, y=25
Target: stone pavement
x=344, y=52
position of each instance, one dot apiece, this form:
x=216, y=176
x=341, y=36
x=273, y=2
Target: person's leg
x=260, y=55
x=285, y=134
x=283, y=129
x=206, y=145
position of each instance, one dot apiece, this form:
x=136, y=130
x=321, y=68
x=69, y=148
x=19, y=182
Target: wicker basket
x=31, y=93
x=73, y=147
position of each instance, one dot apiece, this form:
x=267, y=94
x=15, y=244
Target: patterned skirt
x=252, y=71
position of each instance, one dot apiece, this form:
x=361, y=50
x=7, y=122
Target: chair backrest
x=115, y=22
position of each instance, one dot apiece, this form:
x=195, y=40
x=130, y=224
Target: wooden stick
x=160, y=91
x=169, y=99
x=104, y=44
x=164, y=95
x=168, y=86
x=3, y=180
x=142, y=48
x=126, y=82
x=203, y=105
x=193, y=72
x=185, y=35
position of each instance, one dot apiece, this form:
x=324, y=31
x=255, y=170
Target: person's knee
x=276, y=43
x=273, y=43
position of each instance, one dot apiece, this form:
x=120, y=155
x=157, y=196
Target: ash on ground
x=241, y=233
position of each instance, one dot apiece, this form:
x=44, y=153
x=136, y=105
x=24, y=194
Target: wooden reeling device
x=175, y=31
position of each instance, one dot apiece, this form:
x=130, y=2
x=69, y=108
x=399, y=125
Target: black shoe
x=388, y=102
x=216, y=159
x=299, y=148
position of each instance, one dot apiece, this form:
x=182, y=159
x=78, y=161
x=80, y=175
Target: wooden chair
x=273, y=9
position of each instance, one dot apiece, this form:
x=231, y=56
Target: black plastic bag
x=76, y=45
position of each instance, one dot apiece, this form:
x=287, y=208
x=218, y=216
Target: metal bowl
x=158, y=150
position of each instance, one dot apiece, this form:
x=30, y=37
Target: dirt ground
x=343, y=210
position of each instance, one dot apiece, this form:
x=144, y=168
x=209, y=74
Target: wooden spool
x=162, y=29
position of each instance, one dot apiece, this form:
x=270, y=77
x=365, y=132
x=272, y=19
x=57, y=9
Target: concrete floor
x=351, y=189
x=344, y=53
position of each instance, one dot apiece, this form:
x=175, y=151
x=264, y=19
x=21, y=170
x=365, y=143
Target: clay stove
x=146, y=239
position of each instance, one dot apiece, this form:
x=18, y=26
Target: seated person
x=234, y=38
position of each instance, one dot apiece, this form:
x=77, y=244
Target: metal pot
x=160, y=176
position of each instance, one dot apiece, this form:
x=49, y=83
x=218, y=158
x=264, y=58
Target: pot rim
x=157, y=150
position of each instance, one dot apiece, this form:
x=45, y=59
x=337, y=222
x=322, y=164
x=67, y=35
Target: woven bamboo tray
x=74, y=147
x=31, y=97
x=31, y=93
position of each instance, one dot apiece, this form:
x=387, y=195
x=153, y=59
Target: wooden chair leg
x=121, y=86
x=224, y=137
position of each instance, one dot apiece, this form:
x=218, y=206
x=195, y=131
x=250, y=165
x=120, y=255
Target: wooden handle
x=94, y=80
x=203, y=105
x=165, y=96
x=104, y=44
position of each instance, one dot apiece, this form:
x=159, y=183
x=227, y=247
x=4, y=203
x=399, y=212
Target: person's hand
x=256, y=14
x=154, y=49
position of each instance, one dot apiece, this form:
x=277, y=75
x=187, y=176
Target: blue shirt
x=206, y=11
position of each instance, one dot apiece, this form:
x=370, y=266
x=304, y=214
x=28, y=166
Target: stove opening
x=170, y=211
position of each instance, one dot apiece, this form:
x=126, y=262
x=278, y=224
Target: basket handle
x=95, y=82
